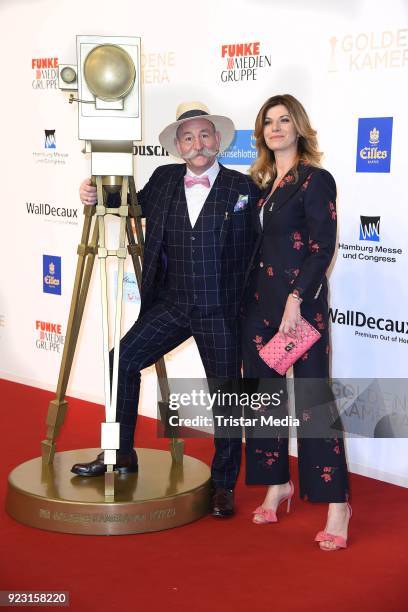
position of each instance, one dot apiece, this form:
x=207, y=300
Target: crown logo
x=374, y=136
x=51, y=268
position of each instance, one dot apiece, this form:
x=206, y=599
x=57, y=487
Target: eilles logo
x=243, y=62
x=52, y=274
x=370, y=228
x=374, y=144
x=45, y=71
x=49, y=336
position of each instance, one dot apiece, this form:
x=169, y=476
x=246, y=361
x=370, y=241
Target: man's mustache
x=204, y=151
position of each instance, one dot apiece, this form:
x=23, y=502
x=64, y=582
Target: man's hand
x=87, y=193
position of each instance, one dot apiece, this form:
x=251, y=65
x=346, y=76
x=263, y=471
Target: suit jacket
x=236, y=195
x=296, y=245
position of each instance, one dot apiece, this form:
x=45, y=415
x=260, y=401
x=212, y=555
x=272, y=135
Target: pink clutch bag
x=283, y=350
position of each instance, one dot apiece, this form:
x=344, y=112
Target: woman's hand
x=87, y=192
x=291, y=316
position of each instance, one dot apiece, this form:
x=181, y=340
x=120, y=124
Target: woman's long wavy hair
x=263, y=170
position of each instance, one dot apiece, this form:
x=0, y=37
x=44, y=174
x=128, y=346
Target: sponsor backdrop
x=348, y=64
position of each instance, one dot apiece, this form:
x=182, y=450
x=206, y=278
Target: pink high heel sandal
x=269, y=516
x=339, y=541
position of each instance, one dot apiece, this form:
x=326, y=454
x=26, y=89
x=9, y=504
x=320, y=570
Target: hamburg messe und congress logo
x=364, y=250
x=49, y=153
x=370, y=228
x=49, y=139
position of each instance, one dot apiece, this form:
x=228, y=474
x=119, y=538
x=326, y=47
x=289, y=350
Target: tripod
x=87, y=250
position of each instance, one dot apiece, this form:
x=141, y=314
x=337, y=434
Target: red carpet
x=210, y=564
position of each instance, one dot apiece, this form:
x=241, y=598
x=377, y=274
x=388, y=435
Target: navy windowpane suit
x=192, y=284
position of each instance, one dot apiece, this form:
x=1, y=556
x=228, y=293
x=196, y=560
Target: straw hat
x=193, y=110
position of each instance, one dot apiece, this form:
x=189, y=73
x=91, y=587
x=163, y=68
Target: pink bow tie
x=189, y=181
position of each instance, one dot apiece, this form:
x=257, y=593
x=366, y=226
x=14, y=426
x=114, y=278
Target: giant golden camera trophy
x=170, y=489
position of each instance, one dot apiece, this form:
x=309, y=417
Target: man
x=198, y=244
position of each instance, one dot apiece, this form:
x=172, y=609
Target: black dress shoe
x=125, y=464
x=222, y=502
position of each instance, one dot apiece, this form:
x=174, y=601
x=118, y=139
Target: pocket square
x=242, y=203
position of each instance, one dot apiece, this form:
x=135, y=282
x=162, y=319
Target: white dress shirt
x=197, y=194
x=261, y=215
x=266, y=203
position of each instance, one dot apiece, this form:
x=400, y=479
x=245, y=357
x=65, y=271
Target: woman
x=296, y=227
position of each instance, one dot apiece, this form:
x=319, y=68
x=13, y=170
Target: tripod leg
x=110, y=428
x=135, y=252
x=58, y=406
x=121, y=256
x=102, y=256
x=91, y=252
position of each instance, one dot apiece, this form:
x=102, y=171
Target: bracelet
x=297, y=297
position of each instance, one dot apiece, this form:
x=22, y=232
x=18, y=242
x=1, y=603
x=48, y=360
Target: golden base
x=163, y=494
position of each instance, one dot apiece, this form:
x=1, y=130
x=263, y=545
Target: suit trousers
x=159, y=330
x=321, y=460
